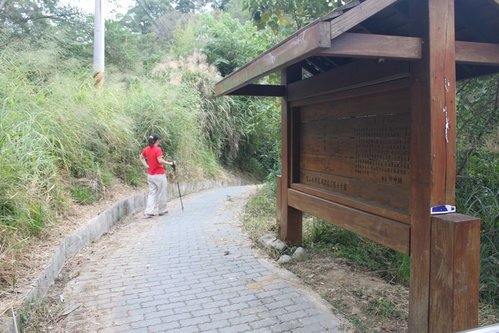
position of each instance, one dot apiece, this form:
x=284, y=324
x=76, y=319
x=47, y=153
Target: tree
x=220, y=4
x=39, y=23
x=142, y=17
x=234, y=8
x=286, y=16
x=33, y=18
x=190, y=6
x=229, y=44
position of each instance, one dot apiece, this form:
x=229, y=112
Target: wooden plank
x=432, y=141
x=260, y=90
x=355, y=202
x=382, y=171
x=368, y=104
x=308, y=42
x=370, y=125
x=379, y=229
x=455, y=273
x=357, y=45
x=359, y=74
x=390, y=195
x=291, y=218
x=477, y=53
x=386, y=186
x=381, y=88
x=357, y=15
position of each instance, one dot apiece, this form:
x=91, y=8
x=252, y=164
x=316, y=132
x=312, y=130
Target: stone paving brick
x=288, y=326
x=235, y=329
x=185, y=329
x=214, y=304
x=169, y=305
x=224, y=316
x=133, y=300
x=176, y=317
x=170, y=274
x=195, y=320
x=264, y=323
x=146, y=323
x=204, y=312
x=208, y=331
x=267, y=330
x=243, y=319
x=213, y=326
x=234, y=307
x=188, y=308
x=164, y=327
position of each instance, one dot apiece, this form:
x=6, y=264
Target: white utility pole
x=98, y=44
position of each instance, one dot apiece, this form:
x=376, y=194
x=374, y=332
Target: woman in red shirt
x=152, y=159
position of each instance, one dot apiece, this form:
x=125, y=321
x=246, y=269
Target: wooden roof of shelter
x=376, y=29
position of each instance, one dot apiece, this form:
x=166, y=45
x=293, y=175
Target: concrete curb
x=93, y=230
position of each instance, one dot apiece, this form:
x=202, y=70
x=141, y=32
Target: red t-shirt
x=152, y=154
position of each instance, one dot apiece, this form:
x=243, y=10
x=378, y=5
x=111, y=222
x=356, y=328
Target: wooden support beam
x=260, y=90
x=433, y=141
x=291, y=218
x=357, y=45
x=379, y=229
x=356, y=203
x=355, y=75
x=289, y=52
x=477, y=53
x=455, y=273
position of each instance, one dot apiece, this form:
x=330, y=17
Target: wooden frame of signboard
x=368, y=136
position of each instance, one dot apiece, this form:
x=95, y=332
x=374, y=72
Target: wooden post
x=455, y=273
x=433, y=147
x=279, y=199
x=291, y=219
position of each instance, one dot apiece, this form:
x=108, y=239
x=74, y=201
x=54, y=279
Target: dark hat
x=154, y=137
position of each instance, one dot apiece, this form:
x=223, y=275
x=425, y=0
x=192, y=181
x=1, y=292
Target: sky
x=110, y=8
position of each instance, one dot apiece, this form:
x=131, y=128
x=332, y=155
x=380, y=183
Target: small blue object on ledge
x=442, y=209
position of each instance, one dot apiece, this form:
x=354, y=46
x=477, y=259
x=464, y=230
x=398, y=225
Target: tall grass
x=62, y=139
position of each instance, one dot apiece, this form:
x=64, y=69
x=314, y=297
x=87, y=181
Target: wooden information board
x=358, y=148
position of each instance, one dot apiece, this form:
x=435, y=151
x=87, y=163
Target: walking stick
x=174, y=166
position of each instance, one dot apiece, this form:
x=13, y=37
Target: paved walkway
x=190, y=271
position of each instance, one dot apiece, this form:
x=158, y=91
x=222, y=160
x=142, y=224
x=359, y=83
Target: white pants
x=156, y=194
